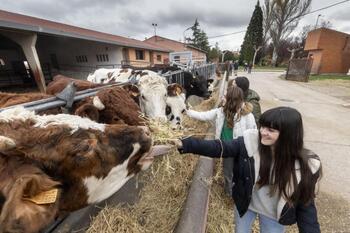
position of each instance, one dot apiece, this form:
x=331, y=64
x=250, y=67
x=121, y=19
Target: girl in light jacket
x=231, y=121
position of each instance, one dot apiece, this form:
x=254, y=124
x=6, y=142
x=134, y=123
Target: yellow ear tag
x=47, y=197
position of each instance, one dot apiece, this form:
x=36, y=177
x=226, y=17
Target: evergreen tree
x=214, y=53
x=253, y=37
x=199, y=37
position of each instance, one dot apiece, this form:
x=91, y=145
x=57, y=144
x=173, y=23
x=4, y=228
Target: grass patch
x=281, y=68
x=329, y=77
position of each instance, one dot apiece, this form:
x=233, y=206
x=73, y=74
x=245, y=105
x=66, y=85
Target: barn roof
x=10, y=20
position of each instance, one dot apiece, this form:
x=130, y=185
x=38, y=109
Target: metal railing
x=53, y=102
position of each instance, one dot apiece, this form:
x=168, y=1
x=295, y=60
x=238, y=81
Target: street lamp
x=184, y=33
x=155, y=28
x=317, y=20
x=223, y=55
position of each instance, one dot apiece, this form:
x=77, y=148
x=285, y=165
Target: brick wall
x=330, y=49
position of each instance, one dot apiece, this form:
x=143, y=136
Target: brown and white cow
x=175, y=105
x=111, y=105
x=10, y=99
x=59, y=82
x=153, y=93
x=90, y=160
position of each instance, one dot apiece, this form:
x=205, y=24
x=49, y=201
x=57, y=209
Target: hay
x=161, y=201
x=166, y=185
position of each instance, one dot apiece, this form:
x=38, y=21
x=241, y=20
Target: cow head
x=175, y=105
x=153, y=94
x=22, y=189
x=91, y=160
x=196, y=84
x=111, y=106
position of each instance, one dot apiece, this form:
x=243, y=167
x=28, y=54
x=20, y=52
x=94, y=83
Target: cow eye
x=183, y=111
x=167, y=110
x=143, y=97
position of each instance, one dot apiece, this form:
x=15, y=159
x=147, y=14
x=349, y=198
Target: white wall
x=66, y=50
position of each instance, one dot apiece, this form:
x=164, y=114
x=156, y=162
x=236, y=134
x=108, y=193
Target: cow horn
x=6, y=143
x=98, y=103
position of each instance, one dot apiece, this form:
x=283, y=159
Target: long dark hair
x=233, y=105
x=288, y=148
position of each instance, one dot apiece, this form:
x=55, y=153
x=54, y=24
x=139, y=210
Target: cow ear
x=89, y=111
x=98, y=103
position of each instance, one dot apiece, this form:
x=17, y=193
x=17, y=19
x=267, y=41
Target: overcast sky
x=134, y=18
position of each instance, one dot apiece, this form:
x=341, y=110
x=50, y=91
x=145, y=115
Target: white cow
x=104, y=75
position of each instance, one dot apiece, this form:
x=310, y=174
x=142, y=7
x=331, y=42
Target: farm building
x=330, y=51
x=32, y=50
x=180, y=51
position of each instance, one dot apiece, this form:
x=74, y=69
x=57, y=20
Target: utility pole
x=223, y=55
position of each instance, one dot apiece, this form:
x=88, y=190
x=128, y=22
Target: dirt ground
x=336, y=88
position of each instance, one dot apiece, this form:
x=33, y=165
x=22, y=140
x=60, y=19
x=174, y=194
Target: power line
x=311, y=12
x=326, y=7
x=211, y=37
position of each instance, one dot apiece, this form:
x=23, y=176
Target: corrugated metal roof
x=23, y=22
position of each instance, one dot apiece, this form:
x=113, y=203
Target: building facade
x=330, y=51
x=176, y=46
x=32, y=50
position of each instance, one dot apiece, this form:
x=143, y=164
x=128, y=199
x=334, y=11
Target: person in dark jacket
x=250, y=95
x=274, y=175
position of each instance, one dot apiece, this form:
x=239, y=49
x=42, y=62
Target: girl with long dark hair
x=274, y=175
x=231, y=121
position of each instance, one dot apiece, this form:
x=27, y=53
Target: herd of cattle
x=53, y=163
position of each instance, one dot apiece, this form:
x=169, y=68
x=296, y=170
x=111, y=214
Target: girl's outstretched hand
x=160, y=150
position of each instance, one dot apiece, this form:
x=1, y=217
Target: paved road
x=326, y=124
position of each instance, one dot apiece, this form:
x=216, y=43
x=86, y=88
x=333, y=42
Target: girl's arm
x=202, y=116
x=212, y=148
x=251, y=121
x=307, y=214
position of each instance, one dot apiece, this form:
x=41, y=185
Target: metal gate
x=299, y=69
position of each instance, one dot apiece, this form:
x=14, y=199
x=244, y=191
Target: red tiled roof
x=17, y=21
x=151, y=39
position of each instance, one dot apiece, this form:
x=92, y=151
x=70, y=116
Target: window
x=81, y=59
x=102, y=58
x=177, y=58
x=139, y=54
x=159, y=57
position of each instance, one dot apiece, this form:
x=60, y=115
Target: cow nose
x=207, y=95
x=162, y=119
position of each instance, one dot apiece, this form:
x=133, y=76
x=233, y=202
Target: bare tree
x=285, y=16
x=293, y=51
x=256, y=50
x=267, y=14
